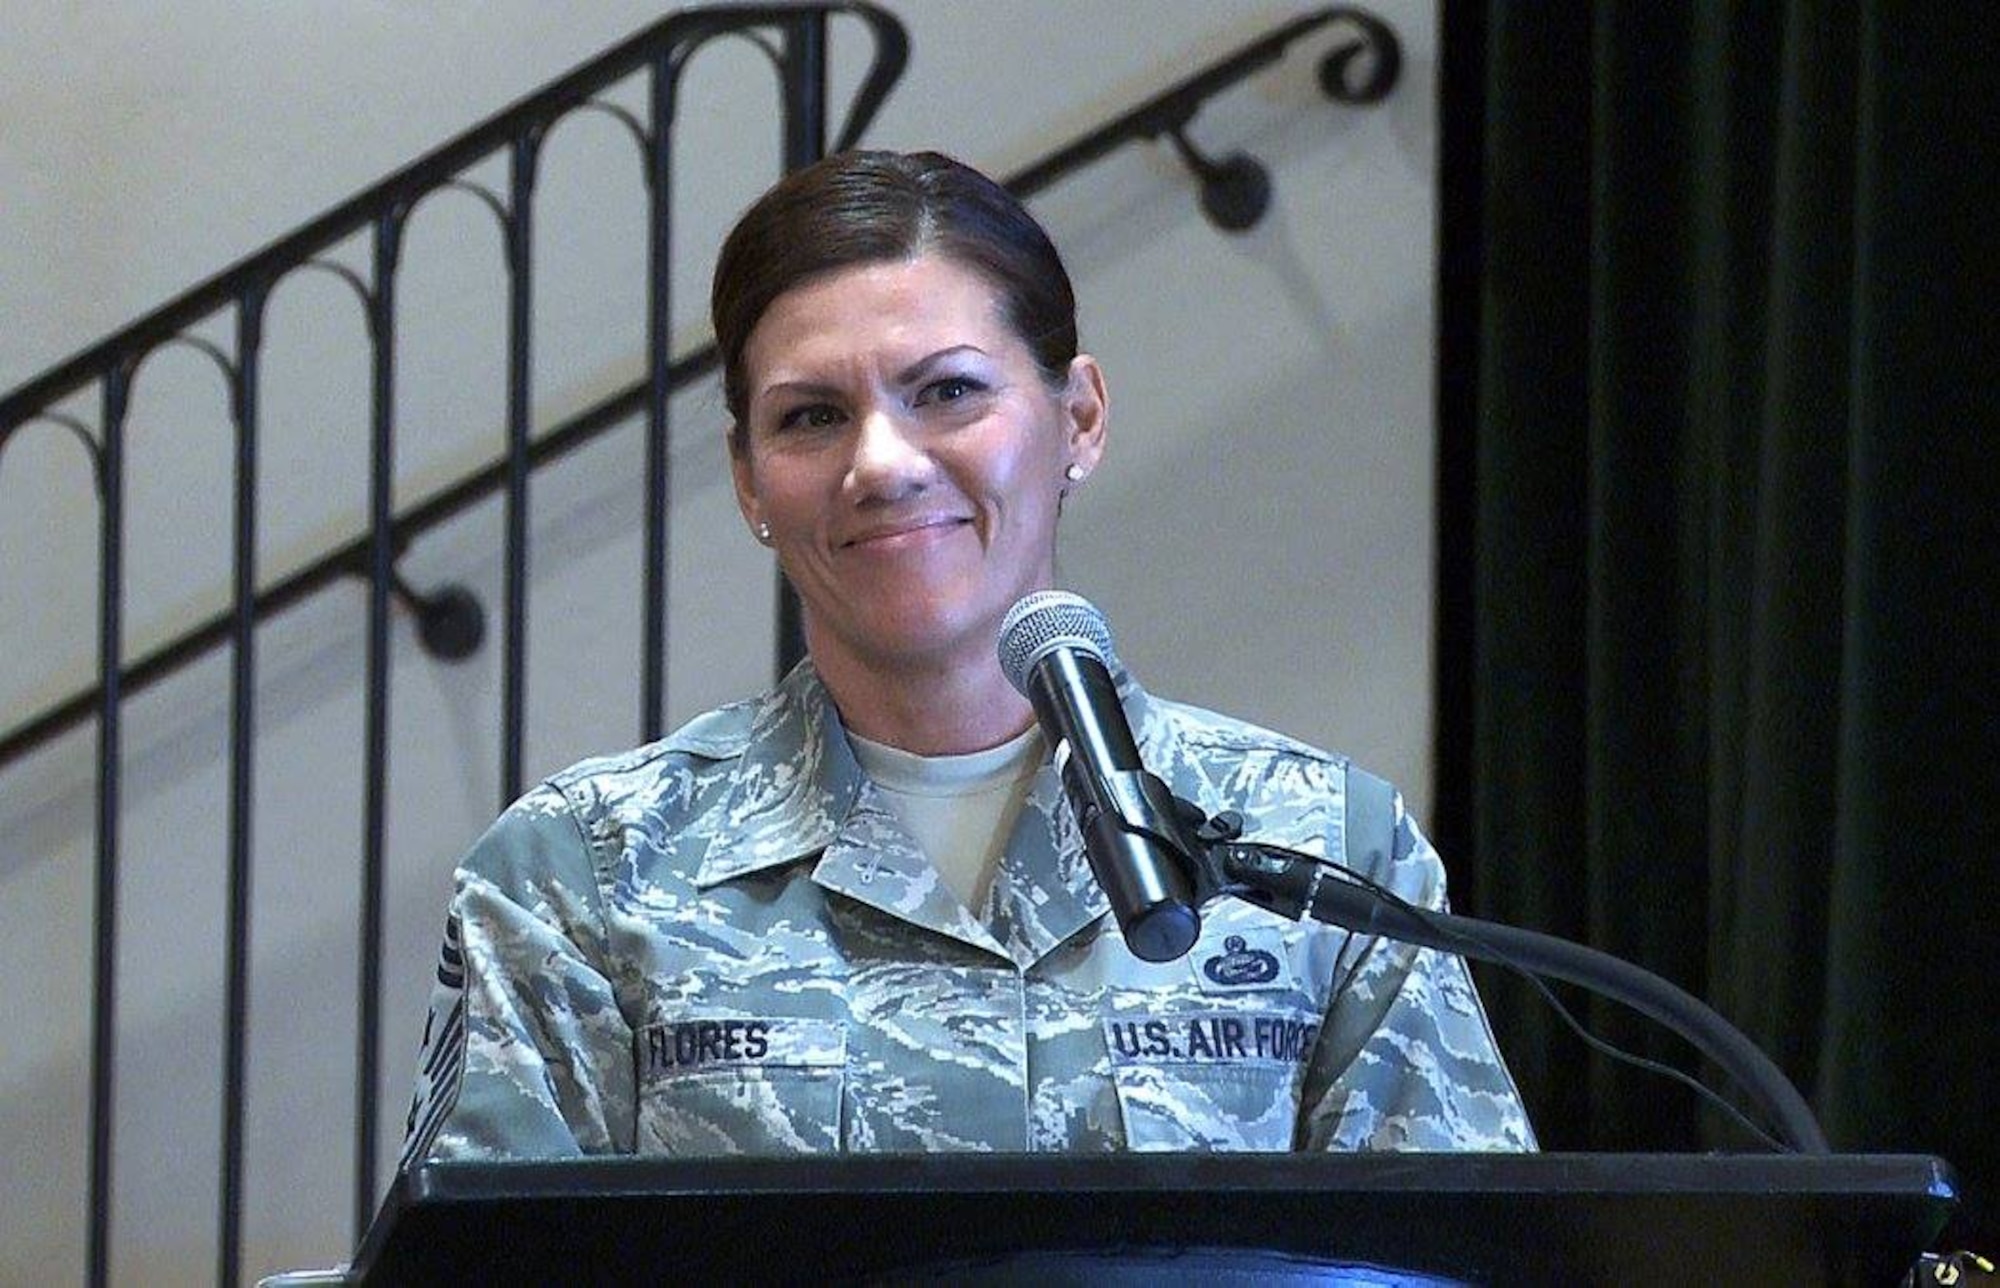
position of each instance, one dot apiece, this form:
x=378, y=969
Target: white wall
x=1260, y=535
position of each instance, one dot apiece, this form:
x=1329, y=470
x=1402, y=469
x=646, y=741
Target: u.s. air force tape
x=1210, y=1037
x=739, y=1042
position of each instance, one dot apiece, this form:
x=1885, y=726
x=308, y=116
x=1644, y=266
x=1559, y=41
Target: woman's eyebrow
x=916, y=369
x=803, y=388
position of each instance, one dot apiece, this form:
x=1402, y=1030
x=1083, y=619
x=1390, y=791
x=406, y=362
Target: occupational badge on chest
x=1242, y=960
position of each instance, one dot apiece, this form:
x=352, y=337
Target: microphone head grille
x=1045, y=620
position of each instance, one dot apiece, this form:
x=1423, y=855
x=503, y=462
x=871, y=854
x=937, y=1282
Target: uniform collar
x=798, y=791
x=794, y=783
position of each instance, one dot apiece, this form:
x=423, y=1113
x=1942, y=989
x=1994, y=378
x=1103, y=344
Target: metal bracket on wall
x=1359, y=71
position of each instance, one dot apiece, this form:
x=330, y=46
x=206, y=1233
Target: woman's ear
x=1087, y=412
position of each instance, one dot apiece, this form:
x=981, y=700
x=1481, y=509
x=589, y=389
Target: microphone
x=1053, y=648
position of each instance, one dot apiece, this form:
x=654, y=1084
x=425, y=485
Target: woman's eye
x=810, y=416
x=950, y=389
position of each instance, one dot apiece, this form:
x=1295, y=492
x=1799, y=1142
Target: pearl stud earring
x=1074, y=473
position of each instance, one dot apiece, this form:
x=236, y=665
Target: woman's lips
x=907, y=535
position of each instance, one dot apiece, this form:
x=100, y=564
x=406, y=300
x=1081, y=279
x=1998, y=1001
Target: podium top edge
x=1383, y=1172
x=1859, y=1217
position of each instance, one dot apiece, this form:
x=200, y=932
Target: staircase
x=419, y=570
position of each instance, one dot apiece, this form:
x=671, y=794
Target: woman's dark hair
x=856, y=208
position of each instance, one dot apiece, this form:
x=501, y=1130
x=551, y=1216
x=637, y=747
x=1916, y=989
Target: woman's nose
x=889, y=462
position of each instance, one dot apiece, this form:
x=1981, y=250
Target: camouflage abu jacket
x=726, y=943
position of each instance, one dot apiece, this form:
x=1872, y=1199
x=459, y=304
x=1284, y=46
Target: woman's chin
x=924, y=640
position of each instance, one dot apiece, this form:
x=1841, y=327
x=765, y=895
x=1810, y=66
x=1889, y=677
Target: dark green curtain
x=1720, y=508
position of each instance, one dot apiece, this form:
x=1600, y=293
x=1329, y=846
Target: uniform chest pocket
x=741, y=1085
x=1210, y=1079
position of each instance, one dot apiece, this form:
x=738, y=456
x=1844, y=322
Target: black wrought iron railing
x=1360, y=68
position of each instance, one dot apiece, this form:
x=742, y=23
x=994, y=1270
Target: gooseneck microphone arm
x=1295, y=885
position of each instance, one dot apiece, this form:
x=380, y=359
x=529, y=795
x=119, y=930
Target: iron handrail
x=1166, y=113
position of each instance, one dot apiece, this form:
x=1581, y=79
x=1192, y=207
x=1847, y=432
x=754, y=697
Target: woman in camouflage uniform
x=854, y=913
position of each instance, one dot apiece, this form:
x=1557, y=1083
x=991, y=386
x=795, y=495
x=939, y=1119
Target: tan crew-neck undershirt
x=960, y=809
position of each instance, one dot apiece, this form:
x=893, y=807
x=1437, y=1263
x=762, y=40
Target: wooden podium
x=1162, y=1219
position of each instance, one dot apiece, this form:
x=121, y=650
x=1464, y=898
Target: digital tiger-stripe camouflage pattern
x=726, y=942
